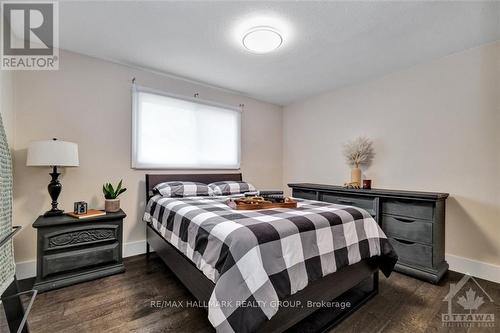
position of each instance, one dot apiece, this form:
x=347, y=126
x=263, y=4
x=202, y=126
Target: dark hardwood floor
x=122, y=303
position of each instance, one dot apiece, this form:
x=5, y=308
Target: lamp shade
x=52, y=153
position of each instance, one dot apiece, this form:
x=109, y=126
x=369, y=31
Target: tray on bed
x=240, y=204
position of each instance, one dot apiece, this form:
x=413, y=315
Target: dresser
x=414, y=222
x=71, y=250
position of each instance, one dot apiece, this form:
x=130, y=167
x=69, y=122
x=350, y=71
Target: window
x=171, y=132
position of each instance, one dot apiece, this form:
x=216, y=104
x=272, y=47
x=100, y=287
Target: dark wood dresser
x=414, y=222
x=71, y=250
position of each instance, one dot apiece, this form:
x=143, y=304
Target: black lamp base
x=54, y=212
x=54, y=190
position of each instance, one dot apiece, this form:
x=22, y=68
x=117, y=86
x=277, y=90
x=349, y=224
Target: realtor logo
x=30, y=36
x=465, y=300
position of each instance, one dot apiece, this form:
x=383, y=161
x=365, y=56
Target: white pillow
x=183, y=189
x=231, y=187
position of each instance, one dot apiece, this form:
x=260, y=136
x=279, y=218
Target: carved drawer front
x=417, y=209
x=58, y=263
x=406, y=228
x=304, y=194
x=367, y=203
x=80, y=236
x=412, y=253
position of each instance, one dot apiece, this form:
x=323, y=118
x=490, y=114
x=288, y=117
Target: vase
x=112, y=205
x=356, y=176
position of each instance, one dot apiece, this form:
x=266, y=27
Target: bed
x=355, y=283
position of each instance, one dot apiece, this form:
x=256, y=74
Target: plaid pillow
x=231, y=187
x=182, y=189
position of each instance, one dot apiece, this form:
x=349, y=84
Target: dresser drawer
x=71, y=260
x=413, y=253
x=415, y=209
x=409, y=229
x=305, y=194
x=361, y=202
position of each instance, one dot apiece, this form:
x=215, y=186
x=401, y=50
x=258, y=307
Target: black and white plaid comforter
x=260, y=257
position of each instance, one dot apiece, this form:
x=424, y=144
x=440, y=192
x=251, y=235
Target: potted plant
x=358, y=152
x=112, y=204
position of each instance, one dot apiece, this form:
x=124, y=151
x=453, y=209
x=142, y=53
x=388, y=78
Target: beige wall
x=435, y=127
x=7, y=104
x=88, y=101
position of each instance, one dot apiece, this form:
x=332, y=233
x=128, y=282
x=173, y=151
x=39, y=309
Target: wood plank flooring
x=122, y=303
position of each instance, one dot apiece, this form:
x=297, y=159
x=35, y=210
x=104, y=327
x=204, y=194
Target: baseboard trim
x=27, y=269
x=134, y=248
x=474, y=268
x=483, y=270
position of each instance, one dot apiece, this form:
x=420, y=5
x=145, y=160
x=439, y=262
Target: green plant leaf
x=118, y=188
x=108, y=193
x=111, y=190
x=121, y=191
x=105, y=191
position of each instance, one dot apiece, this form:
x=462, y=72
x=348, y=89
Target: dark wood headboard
x=153, y=179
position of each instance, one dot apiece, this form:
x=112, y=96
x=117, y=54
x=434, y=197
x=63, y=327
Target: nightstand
x=71, y=250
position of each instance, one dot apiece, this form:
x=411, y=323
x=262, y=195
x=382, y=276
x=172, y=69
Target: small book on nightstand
x=90, y=213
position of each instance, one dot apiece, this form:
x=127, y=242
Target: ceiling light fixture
x=262, y=40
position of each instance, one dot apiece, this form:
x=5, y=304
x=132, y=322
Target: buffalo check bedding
x=262, y=256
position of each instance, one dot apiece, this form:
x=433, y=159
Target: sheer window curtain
x=7, y=265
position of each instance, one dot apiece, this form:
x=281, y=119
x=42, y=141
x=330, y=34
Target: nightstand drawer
x=71, y=260
x=367, y=203
x=417, y=209
x=78, y=236
x=411, y=252
x=409, y=229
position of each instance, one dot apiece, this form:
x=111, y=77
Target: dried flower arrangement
x=359, y=152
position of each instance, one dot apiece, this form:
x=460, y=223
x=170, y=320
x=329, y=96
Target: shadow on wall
x=140, y=227
x=38, y=200
x=459, y=217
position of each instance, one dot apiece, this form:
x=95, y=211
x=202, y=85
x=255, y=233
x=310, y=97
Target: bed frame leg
x=375, y=281
x=148, y=248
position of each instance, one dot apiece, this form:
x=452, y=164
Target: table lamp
x=53, y=153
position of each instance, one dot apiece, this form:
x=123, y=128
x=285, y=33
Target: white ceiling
x=326, y=44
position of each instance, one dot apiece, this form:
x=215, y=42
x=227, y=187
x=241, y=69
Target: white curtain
x=7, y=265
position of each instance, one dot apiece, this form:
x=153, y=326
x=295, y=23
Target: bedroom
x=419, y=80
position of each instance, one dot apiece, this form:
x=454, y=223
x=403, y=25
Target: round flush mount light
x=262, y=40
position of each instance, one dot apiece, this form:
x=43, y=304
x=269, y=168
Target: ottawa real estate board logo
x=30, y=35
x=468, y=305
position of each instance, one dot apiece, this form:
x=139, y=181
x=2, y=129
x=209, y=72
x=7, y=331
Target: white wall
x=435, y=127
x=88, y=101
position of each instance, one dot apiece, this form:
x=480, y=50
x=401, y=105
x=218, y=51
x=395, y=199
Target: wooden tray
x=265, y=205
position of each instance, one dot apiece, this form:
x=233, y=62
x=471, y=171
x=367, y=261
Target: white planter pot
x=112, y=205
